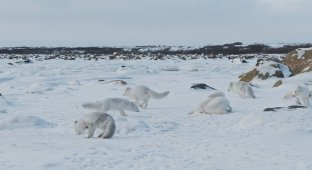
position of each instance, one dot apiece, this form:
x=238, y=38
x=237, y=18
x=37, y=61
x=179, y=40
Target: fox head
x=80, y=127
x=127, y=91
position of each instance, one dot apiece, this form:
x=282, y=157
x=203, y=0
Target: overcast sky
x=153, y=22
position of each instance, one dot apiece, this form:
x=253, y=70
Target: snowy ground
x=43, y=99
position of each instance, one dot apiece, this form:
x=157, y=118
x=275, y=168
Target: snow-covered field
x=43, y=99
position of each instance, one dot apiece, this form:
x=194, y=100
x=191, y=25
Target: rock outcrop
x=265, y=70
x=299, y=60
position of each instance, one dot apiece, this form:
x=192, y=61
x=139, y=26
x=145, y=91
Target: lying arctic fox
x=95, y=120
x=113, y=104
x=216, y=103
x=242, y=88
x=142, y=94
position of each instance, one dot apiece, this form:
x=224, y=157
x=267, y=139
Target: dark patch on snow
x=202, y=86
x=273, y=109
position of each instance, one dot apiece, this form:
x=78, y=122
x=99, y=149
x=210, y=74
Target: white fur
x=216, y=103
x=142, y=94
x=113, y=104
x=243, y=89
x=302, y=95
x=95, y=120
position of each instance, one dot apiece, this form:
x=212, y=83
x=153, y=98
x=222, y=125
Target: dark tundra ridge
x=152, y=52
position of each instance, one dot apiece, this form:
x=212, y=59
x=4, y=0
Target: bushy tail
x=92, y=105
x=156, y=95
x=110, y=128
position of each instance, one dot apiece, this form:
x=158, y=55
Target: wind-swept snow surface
x=41, y=101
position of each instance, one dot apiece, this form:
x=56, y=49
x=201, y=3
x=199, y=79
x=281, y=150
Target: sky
x=153, y=22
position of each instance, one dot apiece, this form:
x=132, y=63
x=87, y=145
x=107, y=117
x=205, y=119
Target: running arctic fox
x=95, y=120
x=113, y=104
x=242, y=88
x=142, y=94
x=216, y=103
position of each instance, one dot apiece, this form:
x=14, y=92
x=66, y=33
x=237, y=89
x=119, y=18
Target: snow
x=41, y=101
x=267, y=67
x=24, y=122
x=302, y=51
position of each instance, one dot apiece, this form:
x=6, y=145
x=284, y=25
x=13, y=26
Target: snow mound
x=19, y=122
x=4, y=104
x=135, y=71
x=74, y=83
x=192, y=68
x=133, y=127
x=39, y=87
x=166, y=126
x=265, y=70
x=271, y=67
x=249, y=121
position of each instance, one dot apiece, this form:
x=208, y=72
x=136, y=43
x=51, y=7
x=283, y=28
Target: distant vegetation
x=226, y=49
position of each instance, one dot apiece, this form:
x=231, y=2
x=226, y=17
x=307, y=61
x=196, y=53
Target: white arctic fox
x=302, y=95
x=142, y=94
x=216, y=103
x=113, y=104
x=242, y=88
x=95, y=120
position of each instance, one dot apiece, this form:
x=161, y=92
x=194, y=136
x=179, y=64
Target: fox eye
x=76, y=122
x=86, y=127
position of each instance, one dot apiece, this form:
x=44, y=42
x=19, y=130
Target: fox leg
x=91, y=131
x=145, y=103
x=102, y=134
x=122, y=112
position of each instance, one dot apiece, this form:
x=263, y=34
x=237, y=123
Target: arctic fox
x=242, y=88
x=113, y=104
x=95, y=120
x=216, y=103
x=142, y=94
x=302, y=95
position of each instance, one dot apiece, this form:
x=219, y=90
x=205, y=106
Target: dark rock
x=272, y=109
x=112, y=57
x=295, y=106
x=244, y=61
x=201, y=86
x=120, y=82
x=278, y=83
x=27, y=61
